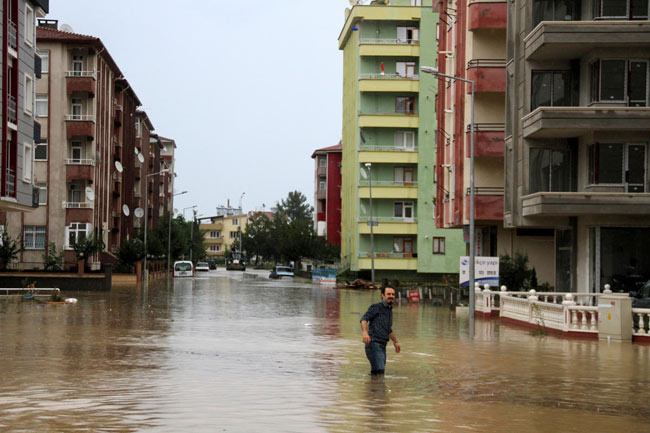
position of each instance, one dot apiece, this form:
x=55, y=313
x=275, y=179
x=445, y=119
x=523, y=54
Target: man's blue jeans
x=376, y=354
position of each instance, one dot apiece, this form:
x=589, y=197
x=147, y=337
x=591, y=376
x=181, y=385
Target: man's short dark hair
x=383, y=289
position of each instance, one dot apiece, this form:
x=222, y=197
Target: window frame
x=401, y=140
x=28, y=162
x=439, y=245
x=75, y=229
x=41, y=144
x=45, y=60
x=567, y=166
x=29, y=96
x=29, y=25
x=30, y=232
x=552, y=73
x=41, y=97
x=42, y=193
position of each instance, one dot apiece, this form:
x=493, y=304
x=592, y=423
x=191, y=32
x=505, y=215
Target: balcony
x=389, y=225
x=118, y=113
x=78, y=205
x=321, y=194
x=80, y=125
x=388, y=189
x=81, y=82
x=487, y=15
x=488, y=203
x=12, y=36
x=556, y=122
x=489, y=75
x=389, y=83
x=12, y=110
x=9, y=184
x=389, y=47
x=321, y=171
x=388, y=120
x=585, y=203
x=79, y=169
x=489, y=140
x=389, y=261
x=558, y=40
x=394, y=155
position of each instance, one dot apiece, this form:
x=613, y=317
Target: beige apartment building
x=576, y=138
x=223, y=230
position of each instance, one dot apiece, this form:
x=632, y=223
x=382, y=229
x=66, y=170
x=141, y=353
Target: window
x=408, y=35
x=555, y=10
x=215, y=234
x=621, y=9
x=405, y=140
x=403, y=209
x=551, y=89
x=45, y=60
x=28, y=162
x=42, y=193
x=322, y=161
x=29, y=25
x=137, y=128
x=550, y=170
x=235, y=221
x=77, y=65
x=618, y=164
x=405, y=69
x=403, y=246
x=40, y=153
x=416, y=2
x=29, y=95
x=34, y=237
x=41, y=104
x=404, y=176
x=77, y=108
x=77, y=232
x=620, y=81
x=74, y=193
x=322, y=185
x=438, y=245
x=76, y=151
x=405, y=104
x=234, y=235
x=215, y=248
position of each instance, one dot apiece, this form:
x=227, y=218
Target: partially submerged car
x=281, y=271
x=202, y=267
x=183, y=268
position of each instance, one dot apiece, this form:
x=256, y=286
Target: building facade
x=20, y=67
x=576, y=137
x=223, y=230
x=389, y=145
x=327, y=193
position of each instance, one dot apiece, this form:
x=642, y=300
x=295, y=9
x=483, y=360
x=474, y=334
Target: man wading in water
x=377, y=334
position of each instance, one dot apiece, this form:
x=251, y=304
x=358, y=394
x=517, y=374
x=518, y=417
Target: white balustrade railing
x=380, y=76
x=387, y=148
x=641, y=321
x=78, y=161
x=91, y=74
x=384, y=41
x=80, y=117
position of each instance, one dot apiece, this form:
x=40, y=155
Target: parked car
x=641, y=298
x=183, y=268
x=281, y=271
x=202, y=267
x=212, y=264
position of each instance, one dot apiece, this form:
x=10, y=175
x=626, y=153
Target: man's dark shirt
x=380, y=319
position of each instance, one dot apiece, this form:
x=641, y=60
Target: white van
x=183, y=268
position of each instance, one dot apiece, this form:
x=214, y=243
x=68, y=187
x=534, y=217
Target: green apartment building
x=389, y=122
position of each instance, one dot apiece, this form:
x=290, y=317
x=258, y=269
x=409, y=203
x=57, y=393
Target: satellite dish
x=126, y=210
x=135, y=149
x=363, y=173
x=363, y=209
x=140, y=158
x=90, y=194
x=138, y=212
x=66, y=28
x=118, y=167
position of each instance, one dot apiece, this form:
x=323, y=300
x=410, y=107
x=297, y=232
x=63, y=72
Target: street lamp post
x=372, y=236
x=241, y=220
x=146, y=225
x=472, y=246
x=169, y=234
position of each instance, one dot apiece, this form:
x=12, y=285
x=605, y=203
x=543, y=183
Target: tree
x=256, y=238
x=87, y=246
x=130, y=252
x=295, y=207
x=514, y=272
x=9, y=249
x=52, y=261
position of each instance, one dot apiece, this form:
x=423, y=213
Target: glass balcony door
x=635, y=167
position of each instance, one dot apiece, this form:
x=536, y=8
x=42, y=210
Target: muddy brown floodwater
x=229, y=352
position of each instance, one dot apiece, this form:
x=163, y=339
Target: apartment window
x=549, y=170
x=404, y=175
x=34, y=237
x=40, y=153
x=28, y=162
x=621, y=9
x=77, y=232
x=403, y=245
x=408, y=35
x=618, y=164
x=234, y=235
x=29, y=25
x=77, y=65
x=620, y=81
x=29, y=95
x=322, y=161
x=42, y=193
x=235, y=221
x=76, y=151
x=77, y=108
x=438, y=245
x=41, y=105
x=45, y=60
x=322, y=185
x=403, y=209
x=215, y=248
x=416, y=2
x=215, y=234
x=74, y=193
x=405, y=69
x=551, y=89
x=555, y=10
x=405, y=104
x=405, y=140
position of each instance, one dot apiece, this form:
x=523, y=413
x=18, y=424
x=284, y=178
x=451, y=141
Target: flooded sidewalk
x=228, y=353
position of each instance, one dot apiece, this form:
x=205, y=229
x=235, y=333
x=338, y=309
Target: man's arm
x=393, y=338
x=364, y=330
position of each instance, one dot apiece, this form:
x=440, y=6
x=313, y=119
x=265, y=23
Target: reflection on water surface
x=227, y=353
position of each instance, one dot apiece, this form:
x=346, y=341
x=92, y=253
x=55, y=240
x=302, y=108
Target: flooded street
x=228, y=352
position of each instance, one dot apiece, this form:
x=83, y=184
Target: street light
x=169, y=234
x=241, y=220
x=146, y=226
x=472, y=246
x=372, y=236
x=184, y=209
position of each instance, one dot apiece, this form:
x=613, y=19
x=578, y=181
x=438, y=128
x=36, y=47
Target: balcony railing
x=487, y=127
x=390, y=41
x=80, y=117
x=12, y=35
x=486, y=63
x=381, y=219
x=10, y=183
x=77, y=205
x=387, y=183
x=77, y=161
x=486, y=190
x=91, y=74
x=388, y=255
x=379, y=76
x=387, y=148
x=12, y=109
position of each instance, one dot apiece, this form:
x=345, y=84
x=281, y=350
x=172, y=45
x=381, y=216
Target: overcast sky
x=247, y=88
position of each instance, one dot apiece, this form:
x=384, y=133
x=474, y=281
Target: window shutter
x=66, y=241
x=400, y=68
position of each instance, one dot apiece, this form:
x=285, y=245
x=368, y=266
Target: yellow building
x=220, y=232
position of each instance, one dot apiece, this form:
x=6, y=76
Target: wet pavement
x=242, y=353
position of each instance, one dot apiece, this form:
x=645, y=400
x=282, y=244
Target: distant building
x=327, y=194
x=223, y=230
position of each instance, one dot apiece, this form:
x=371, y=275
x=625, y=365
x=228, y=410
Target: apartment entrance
x=620, y=257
